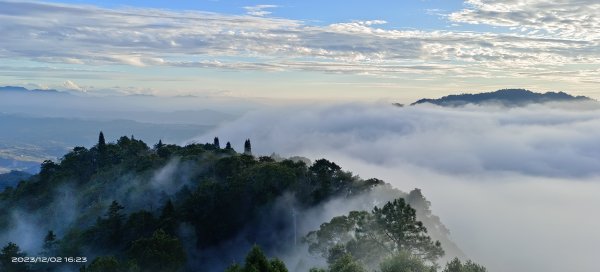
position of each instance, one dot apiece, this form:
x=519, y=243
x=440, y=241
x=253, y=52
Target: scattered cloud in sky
x=486, y=45
x=575, y=19
x=71, y=34
x=259, y=10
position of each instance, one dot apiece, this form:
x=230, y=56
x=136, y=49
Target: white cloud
x=259, y=10
x=90, y=35
x=70, y=85
x=576, y=19
x=515, y=186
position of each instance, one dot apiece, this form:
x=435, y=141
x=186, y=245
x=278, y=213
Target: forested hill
x=506, y=97
x=126, y=206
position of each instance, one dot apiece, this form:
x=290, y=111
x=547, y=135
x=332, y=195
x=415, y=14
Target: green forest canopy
x=128, y=217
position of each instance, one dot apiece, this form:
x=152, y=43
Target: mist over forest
x=299, y=136
x=514, y=185
x=329, y=187
x=200, y=208
x=494, y=183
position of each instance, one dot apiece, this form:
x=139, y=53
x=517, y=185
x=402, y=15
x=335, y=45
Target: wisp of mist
x=517, y=187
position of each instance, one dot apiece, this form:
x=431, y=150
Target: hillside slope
x=210, y=204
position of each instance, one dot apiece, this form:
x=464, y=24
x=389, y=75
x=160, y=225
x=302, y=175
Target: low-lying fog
x=519, y=188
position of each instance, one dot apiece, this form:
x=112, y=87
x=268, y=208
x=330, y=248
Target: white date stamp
x=49, y=259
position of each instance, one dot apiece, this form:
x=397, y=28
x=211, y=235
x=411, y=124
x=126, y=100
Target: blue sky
x=331, y=50
x=408, y=14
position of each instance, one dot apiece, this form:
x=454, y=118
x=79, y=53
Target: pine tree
x=50, y=243
x=247, y=147
x=168, y=218
x=101, y=142
x=228, y=146
x=216, y=143
x=159, y=144
x=7, y=253
x=102, y=153
x=114, y=222
x=114, y=210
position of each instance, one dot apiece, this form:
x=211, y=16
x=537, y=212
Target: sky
x=324, y=50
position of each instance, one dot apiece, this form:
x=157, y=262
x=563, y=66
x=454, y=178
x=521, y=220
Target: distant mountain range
x=36, y=125
x=23, y=89
x=26, y=141
x=506, y=97
x=12, y=178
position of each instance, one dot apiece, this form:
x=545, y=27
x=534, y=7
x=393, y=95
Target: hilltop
x=196, y=206
x=506, y=97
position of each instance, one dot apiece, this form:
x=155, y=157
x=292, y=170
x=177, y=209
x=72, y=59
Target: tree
x=323, y=167
x=101, y=142
x=8, y=252
x=256, y=261
x=278, y=265
x=160, y=253
x=47, y=169
x=50, y=243
x=346, y=264
x=216, y=143
x=325, y=175
x=228, y=146
x=103, y=264
x=139, y=224
x=457, y=266
x=159, y=145
x=102, y=158
x=110, y=264
x=346, y=235
x=114, y=223
x=114, y=210
x=247, y=147
x=404, y=261
x=168, y=218
x=371, y=237
x=436, y=228
x=398, y=221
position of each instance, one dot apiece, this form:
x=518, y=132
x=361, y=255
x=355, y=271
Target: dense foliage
x=129, y=207
x=125, y=197
x=386, y=232
x=256, y=261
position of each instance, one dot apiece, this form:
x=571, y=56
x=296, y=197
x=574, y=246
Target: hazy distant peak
x=13, y=89
x=25, y=90
x=506, y=97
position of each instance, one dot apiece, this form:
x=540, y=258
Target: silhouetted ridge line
x=506, y=97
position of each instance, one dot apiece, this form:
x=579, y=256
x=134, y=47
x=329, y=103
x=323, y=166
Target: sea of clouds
x=517, y=187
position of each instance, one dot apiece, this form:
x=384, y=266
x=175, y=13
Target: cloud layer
x=513, y=185
x=75, y=34
x=560, y=142
x=577, y=19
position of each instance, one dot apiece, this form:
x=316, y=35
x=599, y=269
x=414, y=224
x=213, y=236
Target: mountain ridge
x=23, y=89
x=506, y=97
